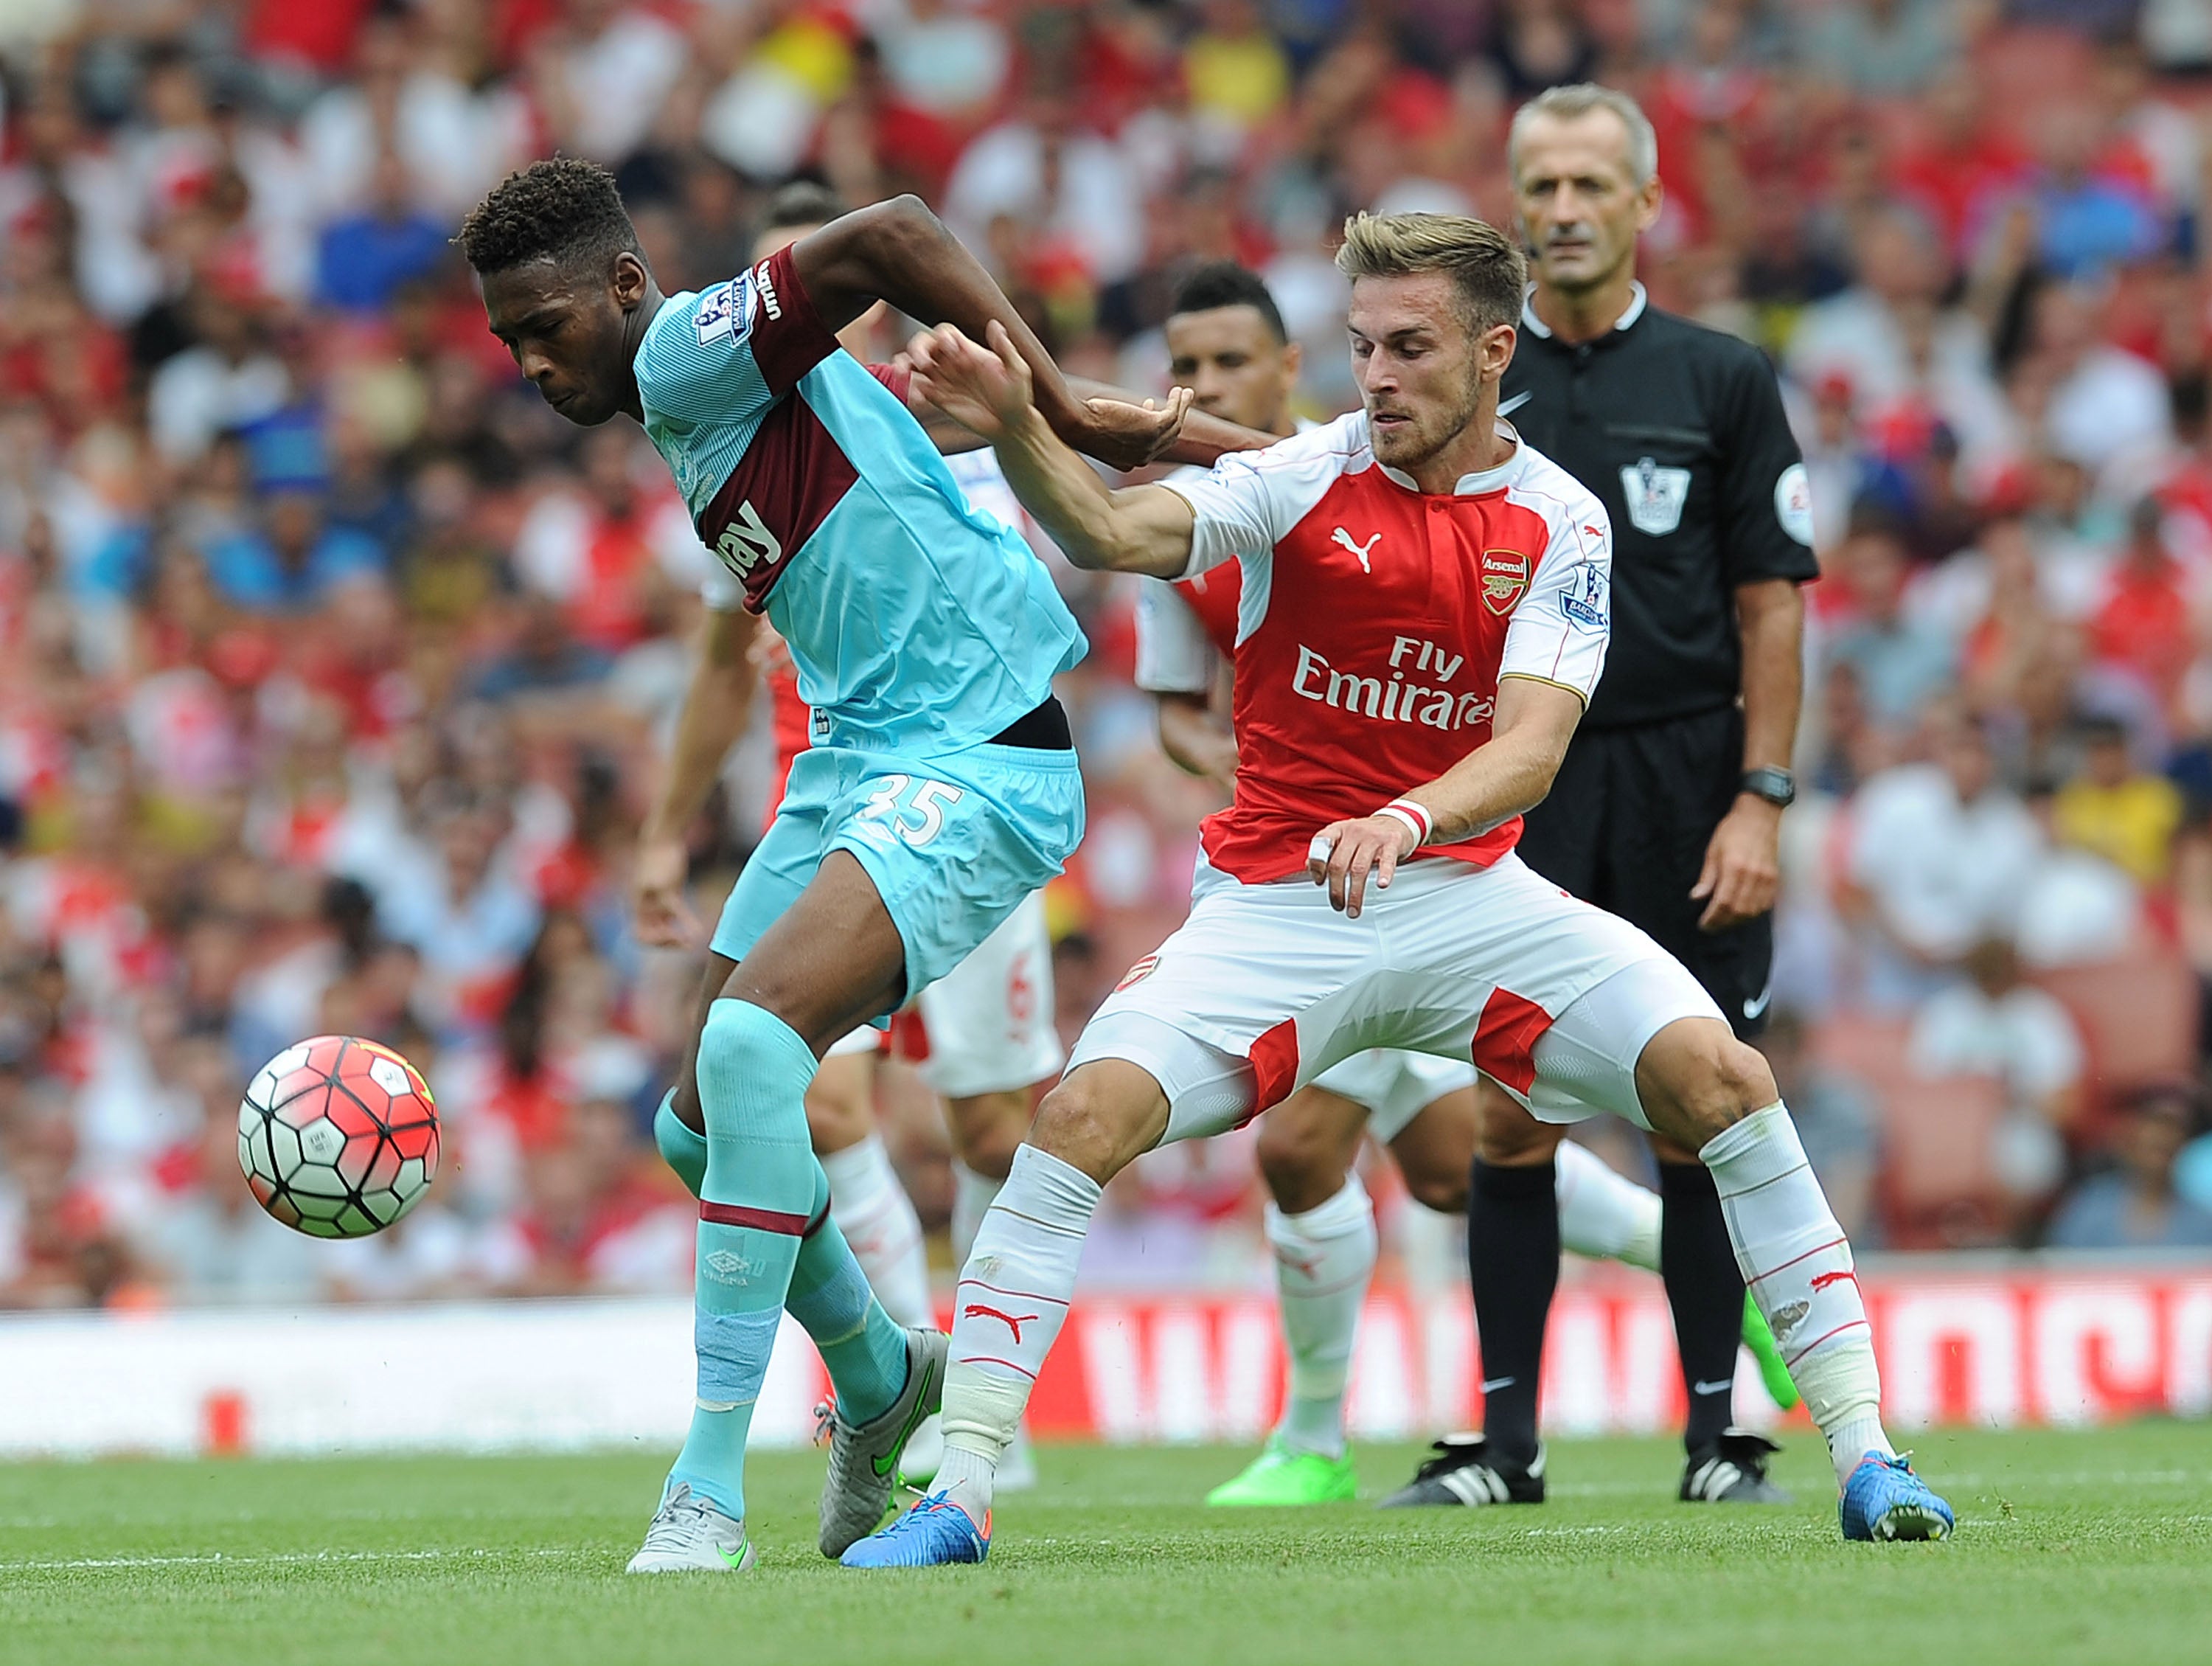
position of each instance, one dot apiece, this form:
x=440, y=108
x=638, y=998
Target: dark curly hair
x=1225, y=284
x=801, y=202
x=565, y=209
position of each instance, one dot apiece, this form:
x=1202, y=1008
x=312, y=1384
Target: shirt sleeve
x=730, y=351
x=1249, y=501
x=1173, y=653
x=1765, y=499
x=1562, y=626
x=721, y=589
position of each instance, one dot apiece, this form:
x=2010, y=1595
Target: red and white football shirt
x=1374, y=621
x=1182, y=625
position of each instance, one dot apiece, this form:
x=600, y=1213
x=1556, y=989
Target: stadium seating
x=1939, y=1178
x=2139, y=1019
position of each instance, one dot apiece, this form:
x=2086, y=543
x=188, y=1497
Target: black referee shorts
x=1626, y=827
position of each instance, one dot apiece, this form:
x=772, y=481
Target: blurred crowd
x=333, y=666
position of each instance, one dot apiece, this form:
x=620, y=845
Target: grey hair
x=1567, y=103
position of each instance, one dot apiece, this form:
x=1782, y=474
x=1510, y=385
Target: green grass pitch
x=2071, y=1547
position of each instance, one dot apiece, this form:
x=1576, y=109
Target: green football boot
x=1277, y=1478
x=1772, y=1371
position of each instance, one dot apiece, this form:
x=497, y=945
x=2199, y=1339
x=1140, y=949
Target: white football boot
x=691, y=1535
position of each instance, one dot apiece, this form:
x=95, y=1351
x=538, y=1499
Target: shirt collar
x=1536, y=326
x=1489, y=480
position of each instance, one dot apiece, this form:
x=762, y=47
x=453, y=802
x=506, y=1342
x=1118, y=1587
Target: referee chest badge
x=1504, y=576
x=1655, y=496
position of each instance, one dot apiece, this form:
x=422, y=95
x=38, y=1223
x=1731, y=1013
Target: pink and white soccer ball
x=338, y=1137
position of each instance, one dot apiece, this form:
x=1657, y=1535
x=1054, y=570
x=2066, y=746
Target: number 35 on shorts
x=906, y=808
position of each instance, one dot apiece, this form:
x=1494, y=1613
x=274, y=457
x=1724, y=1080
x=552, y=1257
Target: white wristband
x=1415, y=818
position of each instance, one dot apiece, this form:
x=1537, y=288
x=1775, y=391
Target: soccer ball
x=338, y=1137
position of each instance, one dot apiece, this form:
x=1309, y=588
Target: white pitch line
x=218, y=1559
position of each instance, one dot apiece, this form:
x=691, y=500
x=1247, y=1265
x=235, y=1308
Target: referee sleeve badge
x=1654, y=496
x=1793, y=503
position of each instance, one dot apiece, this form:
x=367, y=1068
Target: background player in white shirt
x=988, y=1024
x=1422, y=618
x=1226, y=343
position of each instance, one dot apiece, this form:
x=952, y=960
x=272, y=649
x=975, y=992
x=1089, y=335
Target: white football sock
x=1798, y=1265
x=873, y=1212
x=1603, y=1214
x=1324, y=1260
x=1012, y=1302
x=971, y=1195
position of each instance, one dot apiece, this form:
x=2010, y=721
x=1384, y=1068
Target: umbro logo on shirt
x=766, y=286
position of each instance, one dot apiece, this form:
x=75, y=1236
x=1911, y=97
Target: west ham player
x=942, y=790
x=1423, y=615
x=1226, y=343
x=987, y=1027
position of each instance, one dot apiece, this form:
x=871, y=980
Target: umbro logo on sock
x=728, y=1267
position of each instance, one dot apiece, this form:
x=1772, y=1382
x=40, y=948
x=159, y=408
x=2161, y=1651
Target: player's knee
x=1098, y=1122
x=1435, y=1187
x=989, y=1129
x=1295, y=1160
x=1509, y=1137
x=1705, y=1080
x=840, y=1103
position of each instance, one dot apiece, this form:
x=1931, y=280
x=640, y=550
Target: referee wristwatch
x=1777, y=786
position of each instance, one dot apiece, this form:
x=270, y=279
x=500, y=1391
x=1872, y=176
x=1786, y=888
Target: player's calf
x=988, y=1129
x=1306, y=1148
x=1013, y=1293
x=1701, y=1085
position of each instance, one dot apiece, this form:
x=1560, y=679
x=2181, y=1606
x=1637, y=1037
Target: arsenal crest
x=1138, y=973
x=1654, y=496
x=1504, y=576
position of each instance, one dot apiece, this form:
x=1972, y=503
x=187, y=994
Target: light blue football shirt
x=915, y=622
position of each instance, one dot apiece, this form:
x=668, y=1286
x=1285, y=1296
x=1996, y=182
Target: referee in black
x=1667, y=809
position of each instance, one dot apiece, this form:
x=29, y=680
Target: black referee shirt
x=1680, y=431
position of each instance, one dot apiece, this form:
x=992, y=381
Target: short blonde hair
x=1486, y=266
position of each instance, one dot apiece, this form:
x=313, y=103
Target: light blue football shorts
x=952, y=840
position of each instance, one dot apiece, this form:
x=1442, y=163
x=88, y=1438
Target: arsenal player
x=1226, y=343
x=1423, y=617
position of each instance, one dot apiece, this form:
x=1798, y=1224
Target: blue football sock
x=757, y=1187
x=863, y=1348
x=681, y=1149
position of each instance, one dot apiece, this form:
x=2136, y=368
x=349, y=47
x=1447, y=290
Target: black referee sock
x=1513, y=1262
x=1705, y=1290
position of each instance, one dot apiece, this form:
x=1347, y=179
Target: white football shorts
x=1266, y=986
x=988, y=1024
x=1395, y=1086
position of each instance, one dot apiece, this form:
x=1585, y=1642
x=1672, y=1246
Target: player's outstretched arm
x=988, y=388
x=717, y=701
x=898, y=251
x=1508, y=774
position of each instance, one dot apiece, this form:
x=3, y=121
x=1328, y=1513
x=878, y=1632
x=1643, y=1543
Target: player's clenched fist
x=664, y=920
